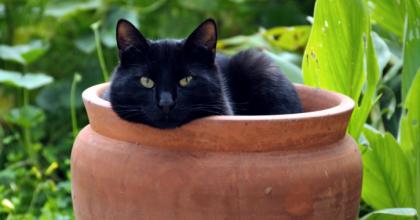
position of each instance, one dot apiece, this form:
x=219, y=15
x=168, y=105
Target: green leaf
x=85, y=43
x=26, y=117
x=410, y=133
x=333, y=57
x=54, y=97
x=395, y=213
x=389, y=14
x=199, y=5
x=274, y=39
x=387, y=180
x=235, y=44
x=288, y=38
x=107, y=29
x=340, y=55
x=7, y=205
x=361, y=111
x=28, y=81
x=63, y=8
x=289, y=69
x=381, y=50
x=25, y=53
x=411, y=54
x=390, y=99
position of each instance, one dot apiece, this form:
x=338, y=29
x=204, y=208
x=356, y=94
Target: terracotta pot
x=298, y=166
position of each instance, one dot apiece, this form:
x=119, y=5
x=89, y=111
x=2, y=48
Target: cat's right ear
x=128, y=36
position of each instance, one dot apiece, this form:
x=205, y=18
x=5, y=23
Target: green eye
x=185, y=81
x=147, y=82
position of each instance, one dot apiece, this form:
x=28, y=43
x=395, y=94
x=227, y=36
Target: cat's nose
x=166, y=102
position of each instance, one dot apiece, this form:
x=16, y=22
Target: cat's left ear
x=203, y=37
x=128, y=36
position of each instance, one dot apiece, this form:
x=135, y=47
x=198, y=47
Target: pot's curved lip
x=211, y=133
x=346, y=104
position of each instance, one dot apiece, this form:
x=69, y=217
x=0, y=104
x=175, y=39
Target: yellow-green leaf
x=333, y=57
x=410, y=133
x=411, y=50
x=387, y=180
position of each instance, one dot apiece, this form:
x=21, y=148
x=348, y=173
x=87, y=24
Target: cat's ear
x=128, y=36
x=203, y=37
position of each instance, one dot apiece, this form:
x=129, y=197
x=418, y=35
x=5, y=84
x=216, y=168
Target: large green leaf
x=391, y=214
x=334, y=54
x=340, y=55
x=410, y=133
x=389, y=14
x=411, y=50
x=387, y=180
x=28, y=81
x=25, y=53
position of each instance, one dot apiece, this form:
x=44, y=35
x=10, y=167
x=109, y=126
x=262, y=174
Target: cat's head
x=166, y=83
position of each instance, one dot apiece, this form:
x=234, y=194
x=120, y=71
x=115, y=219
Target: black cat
x=167, y=83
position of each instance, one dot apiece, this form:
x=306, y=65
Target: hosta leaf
x=25, y=53
x=387, y=180
x=64, y=8
x=85, y=43
x=391, y=214
x=28, y=81
x=289, y=69
x=27, y=116
x=235, y=44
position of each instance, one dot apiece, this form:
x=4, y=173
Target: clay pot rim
x=345, y=104
x=232, y=133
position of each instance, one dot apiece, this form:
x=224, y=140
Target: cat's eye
x=147, y=82
x=185, y=81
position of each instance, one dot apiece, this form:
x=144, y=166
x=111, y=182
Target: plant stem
x=74, y=126
x=9, y=22
x=95, y=28
x=34, y=197
x=26, y=130
x=376, y=117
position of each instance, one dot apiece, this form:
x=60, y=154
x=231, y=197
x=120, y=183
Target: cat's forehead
x=166, y=50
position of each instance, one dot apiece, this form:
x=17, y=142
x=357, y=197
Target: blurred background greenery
x=49, y=55
x=43, y=43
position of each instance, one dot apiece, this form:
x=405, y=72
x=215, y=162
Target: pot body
x=113, y=179
x=298, y=166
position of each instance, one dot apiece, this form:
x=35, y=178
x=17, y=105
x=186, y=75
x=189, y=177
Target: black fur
x=245, y=84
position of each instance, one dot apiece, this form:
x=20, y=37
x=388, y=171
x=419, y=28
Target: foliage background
x=48, y=55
